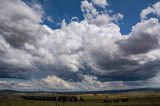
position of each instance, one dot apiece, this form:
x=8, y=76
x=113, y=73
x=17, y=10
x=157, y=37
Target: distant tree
x=81, y=99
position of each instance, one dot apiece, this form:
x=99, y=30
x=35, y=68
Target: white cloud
x=80, y=55
x=89, y=12
x=154, y=9
x=14, y=12
x=91, y=82
x=99, y=18
x=52, y=82
x=50, y=19
x=101, y=3
x=118, y=16
x=143, y=38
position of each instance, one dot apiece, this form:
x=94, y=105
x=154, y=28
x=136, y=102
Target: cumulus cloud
x=99, y=18
x=154, y=9
x=143, y=38
x=101, y=3
x=83, y=55
x=91, y=82
x=17, y=26
x=51, y=83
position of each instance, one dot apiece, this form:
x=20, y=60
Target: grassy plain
x=116, y=99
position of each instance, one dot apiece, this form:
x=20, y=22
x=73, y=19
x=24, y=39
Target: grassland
x=118, y=99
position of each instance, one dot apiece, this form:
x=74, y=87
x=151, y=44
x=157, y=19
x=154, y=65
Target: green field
x=119, y=99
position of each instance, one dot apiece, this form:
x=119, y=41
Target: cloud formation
x=82, y=55
x=154, y=9
x=101, y=3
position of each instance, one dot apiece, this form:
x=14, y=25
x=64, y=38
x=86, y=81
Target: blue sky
x=69, y=45
x=60, y=9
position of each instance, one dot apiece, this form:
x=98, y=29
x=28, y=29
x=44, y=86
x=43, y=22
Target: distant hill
x=82, y=92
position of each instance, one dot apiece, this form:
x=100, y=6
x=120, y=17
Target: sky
x=79, y=45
